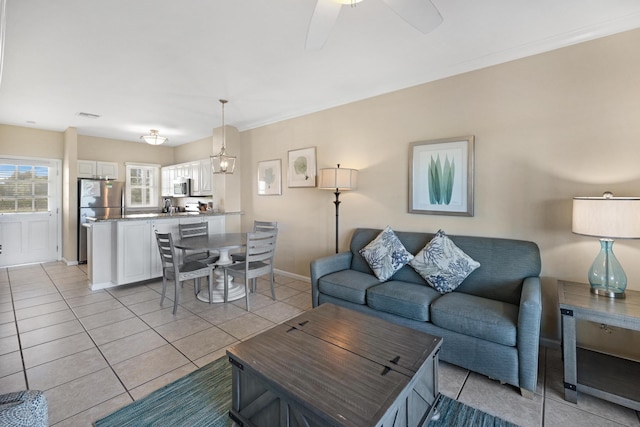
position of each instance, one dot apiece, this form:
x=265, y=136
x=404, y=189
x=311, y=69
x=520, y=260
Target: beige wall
x=28, y=142
x=547, y=128
x=226, y=188
x=114, y=150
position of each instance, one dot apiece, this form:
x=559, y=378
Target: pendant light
x=153, y=138
x=222, y=162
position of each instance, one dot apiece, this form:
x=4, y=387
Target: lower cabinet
x=137, y=254
x=161, y=226
x=134, y=251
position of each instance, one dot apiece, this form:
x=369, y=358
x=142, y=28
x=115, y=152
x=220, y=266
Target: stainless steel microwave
x=182, y=188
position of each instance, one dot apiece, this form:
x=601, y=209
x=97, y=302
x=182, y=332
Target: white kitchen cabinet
x=134, y=251
x=161, y=226
x=107, y=170
x=216, y=224
x=101, y=262
x=201, y=171
x=194, y=167
x=97, y=169
x=168, y=175
x=182, y=170
x=86, y=168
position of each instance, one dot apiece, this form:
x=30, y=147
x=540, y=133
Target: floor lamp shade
x=337, y=179
x=609, y=218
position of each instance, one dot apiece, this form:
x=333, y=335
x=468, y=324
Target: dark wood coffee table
x=332, y=366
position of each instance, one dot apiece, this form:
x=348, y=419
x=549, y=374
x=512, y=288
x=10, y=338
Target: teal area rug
x=203, y=398
x=454, y=413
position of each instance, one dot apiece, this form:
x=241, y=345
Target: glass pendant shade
x=606, y=275
x=223, y=162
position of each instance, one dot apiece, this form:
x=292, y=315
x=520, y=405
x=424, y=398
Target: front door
x=29, y=210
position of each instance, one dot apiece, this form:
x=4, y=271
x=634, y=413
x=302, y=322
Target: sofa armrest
x=528, y=340
x=327, y=265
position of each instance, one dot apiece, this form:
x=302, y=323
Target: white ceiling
x=163, y=64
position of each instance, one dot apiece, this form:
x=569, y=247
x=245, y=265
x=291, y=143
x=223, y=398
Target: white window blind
x=24, y=187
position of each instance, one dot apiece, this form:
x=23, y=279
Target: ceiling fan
x=421, y=14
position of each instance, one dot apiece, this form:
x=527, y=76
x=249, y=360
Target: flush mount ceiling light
x=153, y=138
x=222, y=162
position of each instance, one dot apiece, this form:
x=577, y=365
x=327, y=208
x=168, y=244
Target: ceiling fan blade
x=421, y=14
x=324, y=16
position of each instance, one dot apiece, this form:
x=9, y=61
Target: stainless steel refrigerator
x=97, y=198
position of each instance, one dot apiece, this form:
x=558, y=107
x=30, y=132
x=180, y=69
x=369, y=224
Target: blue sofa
x=490, y=324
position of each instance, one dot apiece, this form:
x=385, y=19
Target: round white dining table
x=222, y=243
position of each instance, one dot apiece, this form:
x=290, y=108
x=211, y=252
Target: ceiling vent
x=89, y=115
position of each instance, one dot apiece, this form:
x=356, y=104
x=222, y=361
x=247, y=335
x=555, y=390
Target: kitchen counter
x=147, y=216
x=122, y=249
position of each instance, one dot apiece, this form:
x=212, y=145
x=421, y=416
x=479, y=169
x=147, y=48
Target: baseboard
x=292, y=275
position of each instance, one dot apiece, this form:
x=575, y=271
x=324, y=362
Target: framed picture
x=302, y=167
x=441, y=176
x=270, y=178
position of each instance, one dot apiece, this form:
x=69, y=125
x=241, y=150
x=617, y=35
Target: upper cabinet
x=201, y=178
x=168, y=175
x=198, y=171
x=97, y=169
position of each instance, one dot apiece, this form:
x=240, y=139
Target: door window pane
x=24, y=188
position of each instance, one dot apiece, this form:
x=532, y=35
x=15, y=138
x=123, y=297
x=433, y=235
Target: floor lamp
x=607, y=217
x=338, y=179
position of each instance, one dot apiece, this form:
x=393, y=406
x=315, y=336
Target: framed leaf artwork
x=302, y=168
x=270, y=178
x=441, y=176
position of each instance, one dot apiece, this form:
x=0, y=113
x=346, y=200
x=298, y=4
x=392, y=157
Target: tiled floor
x=93, y=352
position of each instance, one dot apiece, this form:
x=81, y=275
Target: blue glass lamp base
x=606, y=276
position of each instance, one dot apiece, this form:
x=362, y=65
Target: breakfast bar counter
x=122, y=249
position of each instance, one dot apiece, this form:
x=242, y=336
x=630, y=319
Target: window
x=24, y=188
x=142, y=186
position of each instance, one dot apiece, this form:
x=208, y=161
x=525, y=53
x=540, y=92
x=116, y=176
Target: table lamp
x=338, y=179
x=607, y=217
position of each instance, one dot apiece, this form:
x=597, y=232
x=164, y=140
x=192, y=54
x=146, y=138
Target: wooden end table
x=332, y=366
x=608, y=377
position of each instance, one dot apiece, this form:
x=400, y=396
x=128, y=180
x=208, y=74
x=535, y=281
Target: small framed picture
x=270, y=178
x=441, y=176
x=302, y=167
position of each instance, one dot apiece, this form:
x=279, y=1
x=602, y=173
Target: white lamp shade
x=614, y=217
x=153, y=138
x=338, y=178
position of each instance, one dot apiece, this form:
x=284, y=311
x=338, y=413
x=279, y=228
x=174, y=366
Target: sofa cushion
x=442, y=264
x=348, y=285
x=476, y=316
x=402, y=298
x=385, y=254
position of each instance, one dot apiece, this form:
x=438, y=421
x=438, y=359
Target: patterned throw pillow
x=442, y=264
x=386, y=254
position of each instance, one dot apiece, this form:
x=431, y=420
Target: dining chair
x=172, y=269
x=196, y=229
x=261, y=248
x=257, y=226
